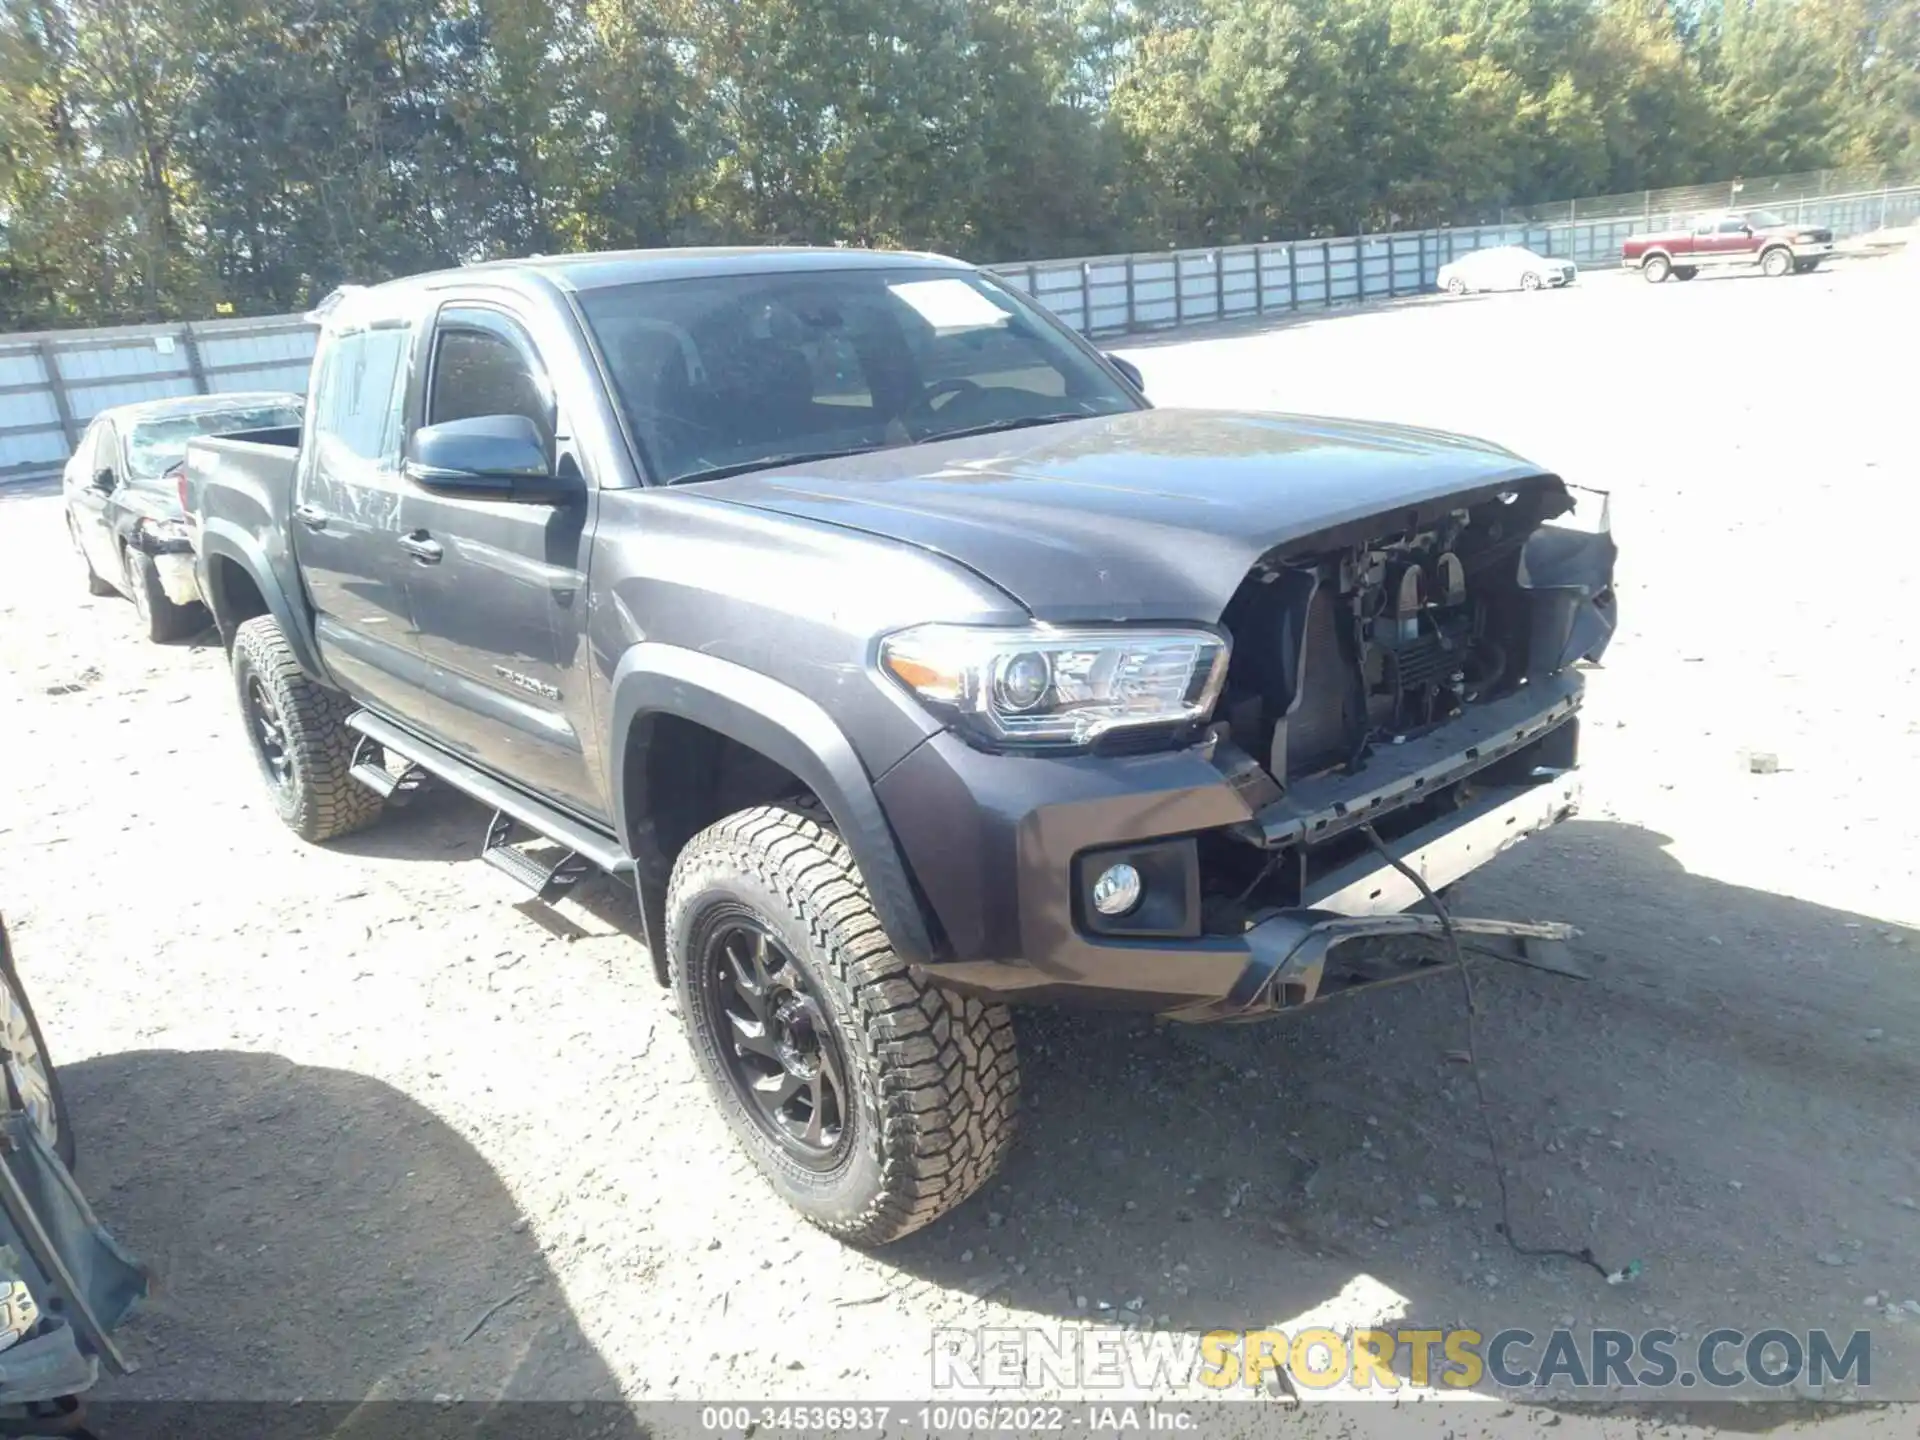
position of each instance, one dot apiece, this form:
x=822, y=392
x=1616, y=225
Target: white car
x=1505, y=267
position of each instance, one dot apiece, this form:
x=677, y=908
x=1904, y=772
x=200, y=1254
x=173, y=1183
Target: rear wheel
x=1684, y=272
x=160, y=617
x=1777, y=262
x=1656, y=268
x=95, y=585
x=299, y=736
x=872, y=1101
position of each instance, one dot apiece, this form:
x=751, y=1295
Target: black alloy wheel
x=269, y=734
x=776, y=1044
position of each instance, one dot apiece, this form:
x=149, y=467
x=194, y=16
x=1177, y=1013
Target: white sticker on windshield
x=950, y=304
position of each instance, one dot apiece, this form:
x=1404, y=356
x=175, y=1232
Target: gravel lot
x=346, y=1100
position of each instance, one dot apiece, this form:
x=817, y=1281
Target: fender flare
x=222, y=539
x=786, y=727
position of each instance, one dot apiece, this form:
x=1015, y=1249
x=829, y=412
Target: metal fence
x=52, y=384
x=1776, y=192
x=1110, y=295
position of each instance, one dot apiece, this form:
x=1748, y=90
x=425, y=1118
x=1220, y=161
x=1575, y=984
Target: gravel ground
x=383, y=1132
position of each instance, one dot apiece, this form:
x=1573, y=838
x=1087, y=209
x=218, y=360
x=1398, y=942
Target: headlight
x=1042, y=686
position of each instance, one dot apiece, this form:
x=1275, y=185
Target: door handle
x=423, y=547
x=311, y=516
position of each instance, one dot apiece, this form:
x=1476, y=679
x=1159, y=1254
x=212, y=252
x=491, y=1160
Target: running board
x=581, y=840
x=547, y=882
x=369, y=767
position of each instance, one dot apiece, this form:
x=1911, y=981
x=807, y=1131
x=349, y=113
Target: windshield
x=156, y=446
x=1764, y=220
x=739, y=372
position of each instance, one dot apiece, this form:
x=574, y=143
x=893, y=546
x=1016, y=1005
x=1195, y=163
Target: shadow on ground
x=1728, y=1102
x=315, y=1234
x=1721, y=1104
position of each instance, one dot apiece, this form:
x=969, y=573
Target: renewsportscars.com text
x=1316, y=1358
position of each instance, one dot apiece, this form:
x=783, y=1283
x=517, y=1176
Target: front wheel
x=1456, y=286
x=1777, y=262
x=95, y=585
x=1530, y=281
x=299, y=735
x=1656, y=269
x=871, y=1100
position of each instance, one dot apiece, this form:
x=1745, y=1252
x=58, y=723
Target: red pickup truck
x=1728, y=239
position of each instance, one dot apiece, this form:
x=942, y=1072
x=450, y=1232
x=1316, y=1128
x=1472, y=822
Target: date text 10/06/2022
x=938, y=1419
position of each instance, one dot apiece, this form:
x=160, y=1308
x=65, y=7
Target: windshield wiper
x=771, y=462
x=994, y=426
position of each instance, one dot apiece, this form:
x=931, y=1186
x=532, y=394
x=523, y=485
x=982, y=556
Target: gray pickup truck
x=904, y=659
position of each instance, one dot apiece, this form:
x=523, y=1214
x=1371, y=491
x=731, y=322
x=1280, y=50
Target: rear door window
x=360, y=393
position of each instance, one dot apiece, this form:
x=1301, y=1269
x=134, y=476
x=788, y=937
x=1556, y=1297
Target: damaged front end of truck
x=1404, y=690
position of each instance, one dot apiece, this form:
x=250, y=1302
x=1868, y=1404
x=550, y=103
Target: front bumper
x=996, y=844
x=178, y=576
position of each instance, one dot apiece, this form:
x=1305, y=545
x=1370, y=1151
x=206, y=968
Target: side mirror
x=103, y=480
x=1130, y=370
x=489, y=457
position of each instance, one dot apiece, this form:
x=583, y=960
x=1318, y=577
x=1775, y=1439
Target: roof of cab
x=595, y=270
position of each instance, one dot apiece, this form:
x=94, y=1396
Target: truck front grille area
x=1339, y=650
x=1387, y=633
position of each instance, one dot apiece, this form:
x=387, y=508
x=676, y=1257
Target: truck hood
x=1150, y=514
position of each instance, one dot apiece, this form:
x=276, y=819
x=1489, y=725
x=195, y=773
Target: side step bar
x=547, y=882
x=508, y=803
x=369, y=767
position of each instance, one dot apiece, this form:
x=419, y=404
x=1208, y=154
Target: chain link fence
x=1663, y=207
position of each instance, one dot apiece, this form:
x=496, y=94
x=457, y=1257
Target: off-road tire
x=159, y=617
x=935, y=1077
x=95, y=585
x=1656, y=268
x=1684, y=272
x=1777, y=262
x=319, y=800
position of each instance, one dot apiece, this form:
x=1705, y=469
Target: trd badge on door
x=527, y=682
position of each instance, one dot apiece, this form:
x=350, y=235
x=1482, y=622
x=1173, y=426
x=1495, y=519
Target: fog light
x=1117, y=890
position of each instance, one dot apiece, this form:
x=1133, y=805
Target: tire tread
x=948, y=1068
x=330, y=802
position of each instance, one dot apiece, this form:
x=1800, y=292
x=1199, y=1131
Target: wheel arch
x=240, y=584
x=693, y=733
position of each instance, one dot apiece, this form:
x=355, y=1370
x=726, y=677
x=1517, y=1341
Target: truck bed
x=239, y=499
